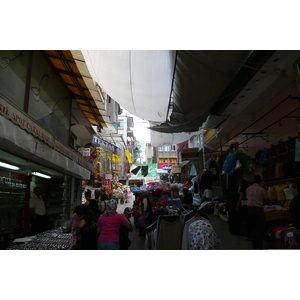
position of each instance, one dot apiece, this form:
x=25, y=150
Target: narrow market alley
x=228, y=240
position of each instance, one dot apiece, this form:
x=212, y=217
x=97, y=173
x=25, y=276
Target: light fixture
x=8, y=166
x=41, y=175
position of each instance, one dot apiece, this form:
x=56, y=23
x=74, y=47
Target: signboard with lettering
x=21, y=119
x=105, y=145
x=176, y=169
x=190, y=153
x=165, y=166
x=85, y=151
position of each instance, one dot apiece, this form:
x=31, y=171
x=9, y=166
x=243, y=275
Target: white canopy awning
x=140, y=81
x=159, y=139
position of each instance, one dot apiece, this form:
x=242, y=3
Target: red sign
x=165, y=166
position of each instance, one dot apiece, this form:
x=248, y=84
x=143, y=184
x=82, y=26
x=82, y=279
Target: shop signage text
x=176, y=169
x=85, y=151
x=104, y=144
x=165, y=166
x=13, y=114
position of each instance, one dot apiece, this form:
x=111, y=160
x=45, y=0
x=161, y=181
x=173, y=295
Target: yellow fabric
x=115, y=158
x=128, y=155
x=272, y=193
x=280, y=193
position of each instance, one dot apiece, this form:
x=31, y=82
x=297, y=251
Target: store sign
x=165, y=166
x=19, y=118
x=104, y=144
x=176, y=169
x=85, y=151
x=190, y=153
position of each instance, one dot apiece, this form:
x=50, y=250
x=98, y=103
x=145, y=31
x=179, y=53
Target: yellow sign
x=176, y=169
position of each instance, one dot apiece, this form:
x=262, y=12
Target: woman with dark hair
x=92, y=203
x=87, y=230
x=108, y=227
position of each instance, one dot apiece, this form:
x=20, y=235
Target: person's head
x=257, y=179
x=84, y=210
x=37, y=191
x=128, y=212
x=185, y=191
x=88, y=194
x=111, y=205
x=104, y=197
x=97, y=194
x=77, y=210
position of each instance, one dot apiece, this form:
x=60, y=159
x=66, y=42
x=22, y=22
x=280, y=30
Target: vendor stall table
x=54, y=239
x=277, y=215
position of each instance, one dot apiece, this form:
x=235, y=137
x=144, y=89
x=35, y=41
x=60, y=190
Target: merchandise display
x=55, y=239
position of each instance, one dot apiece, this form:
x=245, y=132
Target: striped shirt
x=255, y=195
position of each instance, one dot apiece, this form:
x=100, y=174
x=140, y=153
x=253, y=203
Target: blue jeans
x=104, y=245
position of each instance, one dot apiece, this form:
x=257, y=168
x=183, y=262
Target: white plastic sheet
x=139, y=80
x=159, y=139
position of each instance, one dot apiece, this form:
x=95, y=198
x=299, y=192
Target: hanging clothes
x=297, y=150
x=169, y=237
x=185, y=237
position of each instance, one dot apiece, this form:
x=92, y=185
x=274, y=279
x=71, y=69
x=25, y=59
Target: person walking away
x=39, y=220
x=146, y=208
x=108, y=227
x=125, y=242
x=242, y=210
x=295, y=212
x=257, y=198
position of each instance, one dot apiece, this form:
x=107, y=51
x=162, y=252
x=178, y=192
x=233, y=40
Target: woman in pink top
x=108, y=227
x=75, y=219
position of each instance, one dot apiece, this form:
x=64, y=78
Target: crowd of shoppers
x=102, y=229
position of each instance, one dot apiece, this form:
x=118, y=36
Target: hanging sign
x=85, y=151
x=176, y=169
x=104, y=144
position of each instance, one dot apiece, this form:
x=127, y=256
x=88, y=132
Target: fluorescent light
x=41, y=175
x=8, y=166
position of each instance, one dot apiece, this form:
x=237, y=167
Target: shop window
x=13, y=74
x=49, y=101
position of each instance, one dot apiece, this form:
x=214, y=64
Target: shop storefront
x=35, y=114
